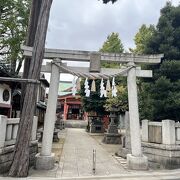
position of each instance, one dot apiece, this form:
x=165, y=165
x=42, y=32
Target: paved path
x=76, y=159
x=76, y=163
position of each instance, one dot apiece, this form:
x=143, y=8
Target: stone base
x=110, y=138
x=137, y=163
x=96, y=128
x=167, y=156
x=6, y=156
x=123, y=152
x=44, y=162
x=55, y=135
x=59, y=124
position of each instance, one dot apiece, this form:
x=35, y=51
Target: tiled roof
x=64, y=88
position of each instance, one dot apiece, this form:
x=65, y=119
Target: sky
x=85, y=24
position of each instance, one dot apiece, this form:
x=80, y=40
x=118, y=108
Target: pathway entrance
x=136, y=160
x=76, y=159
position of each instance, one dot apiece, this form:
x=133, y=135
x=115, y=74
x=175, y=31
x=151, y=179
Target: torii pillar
x=136, y=160
x=45, y=159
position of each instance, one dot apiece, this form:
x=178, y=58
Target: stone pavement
x=77, y=157
x=76, y=162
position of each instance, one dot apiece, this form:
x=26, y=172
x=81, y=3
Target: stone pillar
x=15, y=131
x=135, y=160
x=45, y=160
x=34, y=128
x=177, y=133
x=126, y=140
x=168, y=132
x=3, y=122
x=128, y=134
x=145, y=130
x=9, y=132
x=122, y=121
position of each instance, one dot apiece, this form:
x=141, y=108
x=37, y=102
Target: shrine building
x=69, y=106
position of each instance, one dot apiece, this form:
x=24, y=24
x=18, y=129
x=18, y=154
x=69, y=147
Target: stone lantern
x=112, y=136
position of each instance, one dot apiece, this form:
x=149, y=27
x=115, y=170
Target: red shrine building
x=70, y=107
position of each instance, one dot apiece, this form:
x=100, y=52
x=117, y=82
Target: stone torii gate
x=135, y=160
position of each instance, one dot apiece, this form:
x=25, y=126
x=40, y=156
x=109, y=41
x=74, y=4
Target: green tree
x=159, y=98
x=93, y=103
x=13, y=25
x=142, y=37
x=120, y=102
x=166, y=37
x=112, y=44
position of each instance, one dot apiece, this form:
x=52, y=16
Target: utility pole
x=20, y=164
x=32, y=26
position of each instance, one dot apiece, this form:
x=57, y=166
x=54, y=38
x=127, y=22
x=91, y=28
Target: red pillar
x=65, y=111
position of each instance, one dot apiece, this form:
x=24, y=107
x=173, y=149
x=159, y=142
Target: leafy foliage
x=166, y=37
x=93, y=103
x=142, y=37
x=159, y=98
x=13, y=24
x=112, y=44
x=120, y=102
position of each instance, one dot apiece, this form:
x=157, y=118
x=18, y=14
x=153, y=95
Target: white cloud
x=85, y=24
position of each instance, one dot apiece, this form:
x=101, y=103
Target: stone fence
x=161, y=143
x=8, y=134
x=165, y=132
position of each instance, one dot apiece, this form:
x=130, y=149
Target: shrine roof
x=64, y=88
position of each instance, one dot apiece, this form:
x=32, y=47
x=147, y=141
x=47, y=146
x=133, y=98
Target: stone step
x=75, y=124
x=121, y=161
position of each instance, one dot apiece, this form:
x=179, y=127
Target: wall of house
x=2, y=88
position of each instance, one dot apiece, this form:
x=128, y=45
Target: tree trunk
x=33, y=21
x=20, y=164
x=13, y=67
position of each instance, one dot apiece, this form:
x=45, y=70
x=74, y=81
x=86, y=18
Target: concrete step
x=75, y=124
